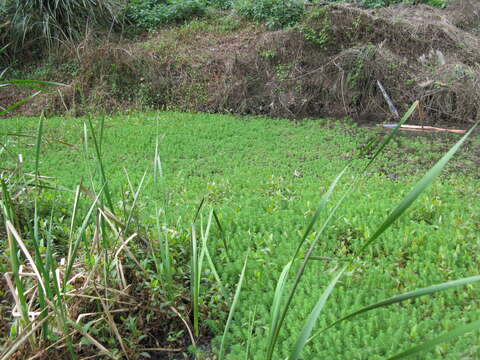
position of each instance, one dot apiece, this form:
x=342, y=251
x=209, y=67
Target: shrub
x=51, y=22
x=150, y=14
x=276, y=14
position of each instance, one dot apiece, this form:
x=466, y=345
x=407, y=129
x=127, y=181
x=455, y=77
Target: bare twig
x=190, y=333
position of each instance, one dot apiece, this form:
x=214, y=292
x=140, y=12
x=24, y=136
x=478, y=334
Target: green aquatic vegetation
x=264, y=177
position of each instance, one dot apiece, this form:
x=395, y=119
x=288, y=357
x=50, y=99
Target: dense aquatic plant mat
x=264, y=179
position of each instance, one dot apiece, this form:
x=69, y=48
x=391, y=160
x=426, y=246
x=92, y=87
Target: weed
x=268, y=54
x=275, y=14
x=320, y=35
x=150, y=14
x=282, y=71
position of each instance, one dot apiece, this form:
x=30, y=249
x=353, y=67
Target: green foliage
x=275, y=14
x=268, y=54
x=280, y=14
x=150, y=14
x=320, y=37
x=100, y=256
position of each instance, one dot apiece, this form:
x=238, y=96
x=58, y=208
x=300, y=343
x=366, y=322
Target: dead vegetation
x=129, y=314
x=327, y=67
x=98, y=304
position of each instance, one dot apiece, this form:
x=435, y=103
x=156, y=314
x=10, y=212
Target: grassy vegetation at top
x=275, y=14
x=264, y=179
x=40, y=25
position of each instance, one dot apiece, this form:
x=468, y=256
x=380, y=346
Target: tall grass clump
x=83, y=284
x=49, y=23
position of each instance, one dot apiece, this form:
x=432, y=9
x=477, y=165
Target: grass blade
x=134, y=204
x=74, y=211
x=322, y=205
x=8, y=214
x=214, y=271
x=411, y=295
x=76, y=245
x=416, y=191
x=37, y=243
x=11, y=230
x=195, y=281
x=320, y=208
x=277, y=320
x=438, y=340
x=406, y=296
x=392, y=134
x=199, y=207
x=277, y=301
x=209, y=258
x=222, y=234
x=21, y=339
x=38, y=146
x=251, y=323
x=232, y=310
x=19, y=103
x=108, y=195
x=308, y=327
x=309, y=252
x=31, y=83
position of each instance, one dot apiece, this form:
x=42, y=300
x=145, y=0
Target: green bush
x=150, y=14
x=276, y=14
x=47, y=22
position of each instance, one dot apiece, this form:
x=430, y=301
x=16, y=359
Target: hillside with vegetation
x=290, y=59
x=211, y=179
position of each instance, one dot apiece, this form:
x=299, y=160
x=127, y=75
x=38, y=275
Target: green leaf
x=98, y=154
x=232, y=309
x=402, y=121
x=308, y=327
x=277, y=301
x=38, y=146
x=277, y=323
